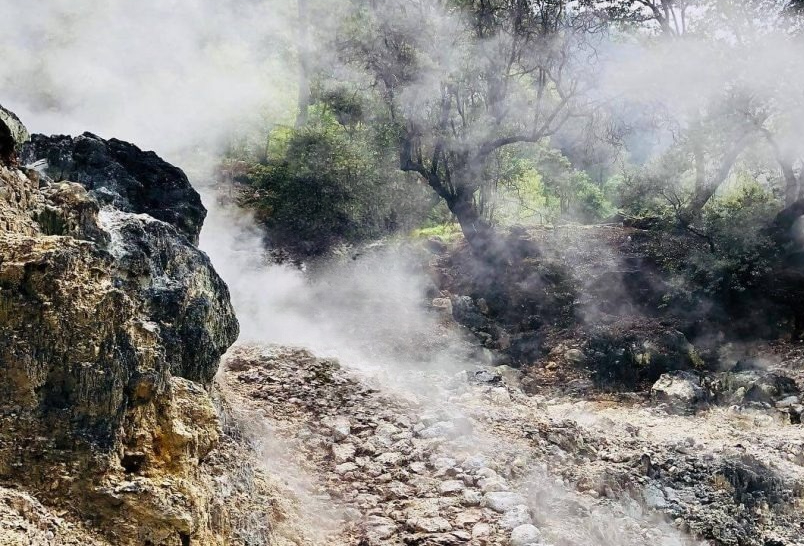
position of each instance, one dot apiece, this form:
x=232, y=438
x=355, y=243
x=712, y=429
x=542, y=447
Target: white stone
x=526, y=535
x=481, y=530
x=450, y=487
x=502, y=501
x=343, y=452
x=516, y=516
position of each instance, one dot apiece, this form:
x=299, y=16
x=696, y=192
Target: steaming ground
x=382, y=416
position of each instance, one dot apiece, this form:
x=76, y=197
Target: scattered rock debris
x=478, y=468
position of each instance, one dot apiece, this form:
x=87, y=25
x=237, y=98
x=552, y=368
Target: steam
x=181, y=77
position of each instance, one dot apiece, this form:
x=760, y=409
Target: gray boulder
x=680, y=391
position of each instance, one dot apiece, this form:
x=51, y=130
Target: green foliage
x=445, y=232
x=327, y=184
x=578, y=198
x=738, y=224
x=730, y=259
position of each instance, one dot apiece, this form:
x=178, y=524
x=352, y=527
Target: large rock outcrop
x=119, y=174
x=112, y=324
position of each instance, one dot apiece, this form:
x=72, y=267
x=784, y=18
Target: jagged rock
x=339, y=426
x=752, y=386
x=342, y=453
x=119, y=174
x=575, y=356
x=429, y=525
x=654, y=497
x=681, y=391
x=481, y=530
x=110, y=323
x=13, y=135
x=451, y=487
x=467, y=313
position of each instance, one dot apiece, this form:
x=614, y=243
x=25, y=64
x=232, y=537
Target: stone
x=502, y=501
x=526, y=535
x=681, y=391
x=758, y=386
x=121, y=175
x=442, y=429
x=788, y=402
x=13, y=135
x=112, y=326
x=451, y=487
x=495, y=483
x=575, y=356
x=340, y=427
x=654, y=497
x=391, y=458
x=429, y=525
x=379, y=528
x=343, y=452
x=516, y=516
x=469, y=517
x=481, y=530
x=471, y=497
x=443, y=304
x=346, y=468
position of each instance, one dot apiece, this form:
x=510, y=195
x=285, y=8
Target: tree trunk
x=705, y=191
x=304, y=64
x=477, y=231
x=791, y=183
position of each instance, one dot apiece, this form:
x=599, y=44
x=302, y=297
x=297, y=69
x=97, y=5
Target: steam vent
x=402, y=273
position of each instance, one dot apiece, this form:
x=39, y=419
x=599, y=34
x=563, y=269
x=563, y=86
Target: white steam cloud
x=180, y=76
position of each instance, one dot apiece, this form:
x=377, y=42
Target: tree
x=670, y=17
x=304, y=63
x=463, y=79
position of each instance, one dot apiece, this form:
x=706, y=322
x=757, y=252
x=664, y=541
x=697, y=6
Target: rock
x=112, y=325
x=379, y=528
x=515, y=517
x=121, y=175
x=492, y=484
x=429, y=525
x=499, y=396
x=340, y=427
x=485, y=377
x=345, y=468
x=525, y=535
x=451, y=487
x=471, y=497
x=475, y=462
x=13, y=135
x=654, y=497
x=467, y=313
x=442, y=429
x=502, y=501
x=469, y=517
x=757, y=386
x=681, y=391
x=343, y=452
x=575, y=356
x=392, y=458
x=443, y=304
x=418, y=467
x=788, y=402
x=481, y=530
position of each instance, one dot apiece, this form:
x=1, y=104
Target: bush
x=325, y=185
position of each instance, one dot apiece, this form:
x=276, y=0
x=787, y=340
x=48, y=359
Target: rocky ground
x=476, y=461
